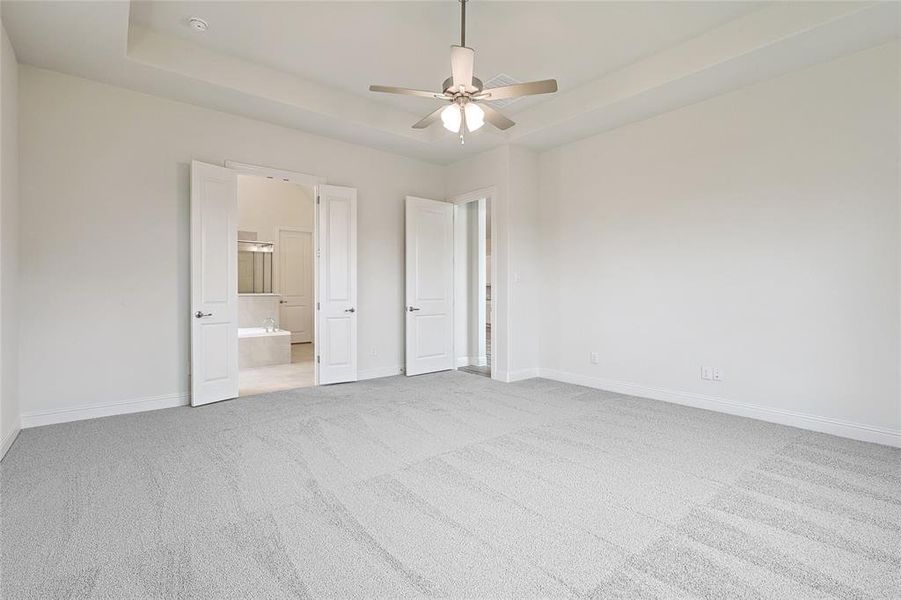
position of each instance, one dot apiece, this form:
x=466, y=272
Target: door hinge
x=317, y=359
x=317, y=306
x=317, y=198
x=317, y=252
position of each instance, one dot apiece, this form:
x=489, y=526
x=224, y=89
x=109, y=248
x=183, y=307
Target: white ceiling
x=308, y=64
x=350, y=45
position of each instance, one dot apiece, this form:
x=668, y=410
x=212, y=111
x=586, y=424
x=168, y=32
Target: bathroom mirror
x=255, y=267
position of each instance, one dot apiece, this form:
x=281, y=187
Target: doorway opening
x=276, y=284
x=215, y=296
x=472, y=286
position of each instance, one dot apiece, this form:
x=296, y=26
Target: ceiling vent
x=501, y=80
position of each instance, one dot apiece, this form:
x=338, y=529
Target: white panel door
x=429, y=286
x=295, y=271
x=214, y=284
x=337, y=285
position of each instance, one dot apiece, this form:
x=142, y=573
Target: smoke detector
x=198, y=24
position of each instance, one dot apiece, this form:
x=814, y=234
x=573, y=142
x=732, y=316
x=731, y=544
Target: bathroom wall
x=253, y=310
x=264, y=205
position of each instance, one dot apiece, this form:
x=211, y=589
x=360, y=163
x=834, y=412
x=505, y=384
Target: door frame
x=490, y=195
x=277, y=275
x=305, y=179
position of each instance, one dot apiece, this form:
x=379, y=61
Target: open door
x=214, y=285
x=336, y=337
x=429, y=286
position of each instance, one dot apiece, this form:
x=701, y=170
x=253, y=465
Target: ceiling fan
x=465, y=95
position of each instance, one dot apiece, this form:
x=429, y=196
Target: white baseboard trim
x=379, y=372
x=7, y=441
x=518, y=375
x=847, y=429
x=93, y=411
x=856, y=431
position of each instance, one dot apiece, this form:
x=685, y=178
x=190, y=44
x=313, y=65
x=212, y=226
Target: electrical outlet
x=707, y=373
x=594, y=358
x=717, y=374
x=372, y=351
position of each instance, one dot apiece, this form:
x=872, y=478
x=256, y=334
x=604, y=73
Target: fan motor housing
x=449, y=83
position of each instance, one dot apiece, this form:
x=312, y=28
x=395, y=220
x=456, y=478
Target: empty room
x=462, y=299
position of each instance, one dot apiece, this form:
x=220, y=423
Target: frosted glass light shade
x=475, y=116
x=452, y=118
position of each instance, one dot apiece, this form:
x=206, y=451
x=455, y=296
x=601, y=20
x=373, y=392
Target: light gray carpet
x=447, y=485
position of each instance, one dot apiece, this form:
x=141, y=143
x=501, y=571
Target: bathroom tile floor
x=297, y=374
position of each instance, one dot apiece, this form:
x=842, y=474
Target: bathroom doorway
x=221, y=334
x=276, y=284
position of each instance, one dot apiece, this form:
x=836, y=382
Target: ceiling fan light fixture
x=462, y=90
x=475, y=116
x=452, y=118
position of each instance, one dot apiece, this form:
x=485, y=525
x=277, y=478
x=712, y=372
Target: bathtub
x=260, y=348
x=259, y=332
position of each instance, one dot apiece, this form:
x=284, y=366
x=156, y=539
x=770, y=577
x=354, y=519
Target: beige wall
x=523, y=276
x=104, y=237
x=9, y=234
x=757, y=232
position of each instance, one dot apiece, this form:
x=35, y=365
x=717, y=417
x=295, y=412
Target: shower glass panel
x=255, y=267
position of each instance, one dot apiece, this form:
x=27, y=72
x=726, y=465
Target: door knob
x=201, y=315
x=412, y=308
x=350, y=310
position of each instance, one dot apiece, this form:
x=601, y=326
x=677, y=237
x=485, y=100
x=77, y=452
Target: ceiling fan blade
x=461, y=67
x=496, y=118
x=429, y=119
x=546, y=86
x=387, y=89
